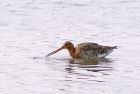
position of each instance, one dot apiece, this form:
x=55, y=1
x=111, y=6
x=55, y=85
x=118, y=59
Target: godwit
x=85, y=50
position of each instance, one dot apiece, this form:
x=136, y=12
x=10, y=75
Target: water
x=30, y=29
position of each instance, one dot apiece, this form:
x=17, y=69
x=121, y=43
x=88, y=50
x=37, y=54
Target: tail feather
x=115, y=47
x=110, y=49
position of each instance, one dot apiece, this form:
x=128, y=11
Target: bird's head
x=67, y=45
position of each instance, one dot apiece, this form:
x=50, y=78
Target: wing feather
x=88, y=50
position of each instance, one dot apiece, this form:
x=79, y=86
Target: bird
x=85, y=50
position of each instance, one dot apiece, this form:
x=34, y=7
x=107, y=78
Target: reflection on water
x=94, y=61
x=83, y=69
x=87, y=70
x=94, y=65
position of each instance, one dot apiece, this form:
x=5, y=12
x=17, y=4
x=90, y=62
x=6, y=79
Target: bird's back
x=89, y=50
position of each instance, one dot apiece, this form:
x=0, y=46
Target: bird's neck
x=72, y=52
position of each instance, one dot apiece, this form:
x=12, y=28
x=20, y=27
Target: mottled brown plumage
x=85, y=50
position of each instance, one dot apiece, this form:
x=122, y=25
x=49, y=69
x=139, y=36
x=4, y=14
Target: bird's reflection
x=94, y=65
x=89, y=61
x=84, y=69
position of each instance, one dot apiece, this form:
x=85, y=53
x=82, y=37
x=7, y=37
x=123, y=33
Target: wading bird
x=85, y=50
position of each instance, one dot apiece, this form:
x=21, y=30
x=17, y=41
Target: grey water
x=30, y=29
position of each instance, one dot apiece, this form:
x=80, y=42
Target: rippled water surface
x=30, y=29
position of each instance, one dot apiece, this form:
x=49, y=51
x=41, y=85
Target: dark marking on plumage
x=93, y=49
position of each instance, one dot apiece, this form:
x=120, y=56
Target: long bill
x=54, y=51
